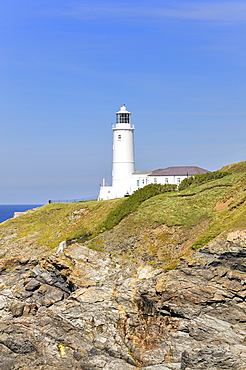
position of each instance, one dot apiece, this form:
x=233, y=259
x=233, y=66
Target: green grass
x=216, y=205
x=179, y=210
x=235, y=167
x=95, y=247
x=132, y=203
x=53, y=223
x=196, y=205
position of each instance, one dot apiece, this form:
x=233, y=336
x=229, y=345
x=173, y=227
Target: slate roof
x=141, y=172
x=178, y=171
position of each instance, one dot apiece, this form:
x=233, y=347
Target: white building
x=125, y=180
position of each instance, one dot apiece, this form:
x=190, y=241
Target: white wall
x=123, y=153
x=166, y=179
x=135, y=182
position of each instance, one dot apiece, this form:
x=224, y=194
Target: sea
x=7, y=211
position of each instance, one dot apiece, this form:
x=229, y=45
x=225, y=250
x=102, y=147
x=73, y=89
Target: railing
x=85, y=199
x=122, y=126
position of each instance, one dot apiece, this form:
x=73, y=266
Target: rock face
x=18, y=214
x=89, y=310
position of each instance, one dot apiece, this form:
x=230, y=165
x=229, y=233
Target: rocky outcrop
x=18, y=214
x=86, y=309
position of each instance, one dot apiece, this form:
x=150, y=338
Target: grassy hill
x=158, y=228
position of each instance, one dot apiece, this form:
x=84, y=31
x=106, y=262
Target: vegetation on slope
x=235, y=167
x=52, y=223
x=217, y=200
x=155, y=225
x=132, y=203
x=171, y=225
x=201, y=178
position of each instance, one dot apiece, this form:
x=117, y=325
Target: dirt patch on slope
x=154, y=244
x=227, y=200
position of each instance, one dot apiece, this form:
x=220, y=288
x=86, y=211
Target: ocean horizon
x=7, y=210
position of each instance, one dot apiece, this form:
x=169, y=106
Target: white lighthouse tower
x=123, y=157
x=123, y=152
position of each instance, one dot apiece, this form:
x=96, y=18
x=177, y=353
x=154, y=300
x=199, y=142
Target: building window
x=119, y=137
x=143, y=181
x=123, y=118
x=155, y=180
x=137, y=182
x=166, y=180
x=178, y=180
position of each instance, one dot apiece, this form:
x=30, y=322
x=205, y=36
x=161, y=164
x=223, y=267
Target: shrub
x=130, y=204
x=186, y=183
x=201, y=178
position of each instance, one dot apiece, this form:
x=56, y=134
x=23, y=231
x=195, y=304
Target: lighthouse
x=125, y=180
x=123, y=165
x=123, y=151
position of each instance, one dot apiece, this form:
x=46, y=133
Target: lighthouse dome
x=123, y=109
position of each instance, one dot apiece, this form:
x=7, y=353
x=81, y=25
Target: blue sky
x=67, y=66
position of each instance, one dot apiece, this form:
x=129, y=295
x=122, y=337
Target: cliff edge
x=163, y=289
